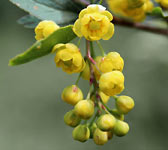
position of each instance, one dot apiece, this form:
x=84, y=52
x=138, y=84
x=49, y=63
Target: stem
x=88, y=52
x=89, y=93
x=77, y=81
x=94, y=118
x=156, y=30
x=92, y=49
x=101, y=48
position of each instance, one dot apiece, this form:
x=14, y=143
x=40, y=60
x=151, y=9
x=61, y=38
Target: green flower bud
x=121, y=128
x=106, y=122
x=72, y=95
x=124, y=104
x=81, y=133
x=71, y=119
x=85, y=109
x=92, y=129
x=100, y=137
x=110, y=134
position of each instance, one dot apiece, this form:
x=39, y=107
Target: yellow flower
x=112, y=83
x=104, y=97
x=131, y=9
x=68, y=57
x=44, y=29
x=163, y=3
x=94, y=23
x=112, y=61
x=72, y=95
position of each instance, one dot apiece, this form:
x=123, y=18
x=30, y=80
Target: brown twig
x=140, y=26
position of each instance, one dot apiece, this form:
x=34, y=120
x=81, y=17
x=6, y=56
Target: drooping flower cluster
x=132, y=9
x=103, y=72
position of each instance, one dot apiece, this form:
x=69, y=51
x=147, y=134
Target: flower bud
x=100, y=137
x=45, y=28
x=72, y=95
x=124, y=104
x=71, y=119
x=92, y=129
x=112, y=61
x=106, y=122
x=81, y=133
x=86, y=72
x=85, y=109
x=121, y=128
x=112, y=83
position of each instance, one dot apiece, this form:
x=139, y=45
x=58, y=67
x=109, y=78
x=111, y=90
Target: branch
x=140, y=26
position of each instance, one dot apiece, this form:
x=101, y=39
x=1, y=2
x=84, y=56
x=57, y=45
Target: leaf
x=158, y=11
x=44, y=47
x=44, y=12
x=29, y=21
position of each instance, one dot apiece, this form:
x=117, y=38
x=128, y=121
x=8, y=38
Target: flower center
x=94, y=25
x=68, y=63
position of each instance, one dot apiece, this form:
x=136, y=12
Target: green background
x=31, y=109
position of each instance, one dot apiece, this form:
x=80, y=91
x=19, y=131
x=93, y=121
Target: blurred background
x=31, y=109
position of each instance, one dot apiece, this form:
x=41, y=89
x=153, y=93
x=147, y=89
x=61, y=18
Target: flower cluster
x=132, y=9
x=163, y=3
x=103, y=72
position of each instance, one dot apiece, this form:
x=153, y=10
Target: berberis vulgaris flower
x=163, y=3
x=44, y=29
x=68, y=57
x=94, y=23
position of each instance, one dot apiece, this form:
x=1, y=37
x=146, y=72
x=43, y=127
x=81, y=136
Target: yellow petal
x=72, y=47
x=77, y=59
x=77, y=28
x=58, y=47
x=110, y=32
x=108, y=14
x=82, y=13
x=65, y=55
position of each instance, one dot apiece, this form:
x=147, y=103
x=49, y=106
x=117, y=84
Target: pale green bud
x=124, y=104
x=72, y=94
x=71, y=119
x=106, y=122
x=100, y=137
x=84, y=109
x=121, y=128
x=81, y=133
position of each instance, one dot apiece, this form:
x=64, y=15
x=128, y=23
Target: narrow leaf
x=29, y=21
x=44, y=47
x=44, y=12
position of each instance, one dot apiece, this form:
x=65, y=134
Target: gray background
x=31, y=109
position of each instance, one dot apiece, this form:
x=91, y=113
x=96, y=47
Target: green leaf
x=44, y=12
x=44, y=47
x=29, y=21
x=158, y=11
